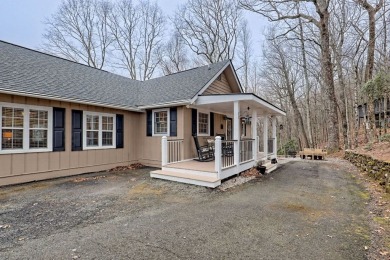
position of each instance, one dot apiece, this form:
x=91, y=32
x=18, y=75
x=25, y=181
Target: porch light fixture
x=247, y=118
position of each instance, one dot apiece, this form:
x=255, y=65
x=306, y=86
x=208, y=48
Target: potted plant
x=260, y=167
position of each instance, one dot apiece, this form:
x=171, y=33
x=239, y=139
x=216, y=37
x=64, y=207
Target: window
x=160, y=122
x=25, y=128
x=99, y=130
x=203, y=123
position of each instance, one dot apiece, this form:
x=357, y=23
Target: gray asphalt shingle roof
x=179, y=86
x=30, y=72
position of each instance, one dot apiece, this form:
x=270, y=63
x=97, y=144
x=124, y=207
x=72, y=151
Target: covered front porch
x=238, y=148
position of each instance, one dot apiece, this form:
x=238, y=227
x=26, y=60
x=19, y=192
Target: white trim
x=167, y=104
x=197, y=122
x=100, y=135
x=220, y=98
x=168, y=110
x=209, y=83
x=71, y=100
x=236, y=78
x=26, y=129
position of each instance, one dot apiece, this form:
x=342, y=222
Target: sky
x=21, y=21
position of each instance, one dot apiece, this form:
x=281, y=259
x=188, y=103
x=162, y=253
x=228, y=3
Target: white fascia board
x=268, y=105
x=236, y=78
x=167, y=104
x=212, y=99
x=71, y=100
x=210, y=82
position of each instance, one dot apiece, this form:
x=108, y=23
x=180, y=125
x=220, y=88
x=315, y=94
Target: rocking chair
x=205, y=153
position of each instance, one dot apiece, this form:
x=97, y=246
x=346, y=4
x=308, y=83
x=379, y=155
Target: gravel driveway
x=304, y=210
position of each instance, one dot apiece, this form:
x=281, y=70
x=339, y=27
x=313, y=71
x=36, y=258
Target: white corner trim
x=168, y=121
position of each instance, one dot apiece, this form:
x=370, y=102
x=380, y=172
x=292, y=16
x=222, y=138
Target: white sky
x=21, y=21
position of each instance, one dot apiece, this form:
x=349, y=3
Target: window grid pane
x=107, y=130
x=12, y=128
x=38, y=128
x=161, y=122
x=203, y=123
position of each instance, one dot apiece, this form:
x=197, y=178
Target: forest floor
x=378, y=203
x=379, y=151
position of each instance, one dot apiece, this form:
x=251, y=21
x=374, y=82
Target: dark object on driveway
x=274, y=161
x=261, y=169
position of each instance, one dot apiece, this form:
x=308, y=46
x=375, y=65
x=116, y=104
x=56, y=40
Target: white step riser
x=187, y=181
x=271, y=169
x=195, y=172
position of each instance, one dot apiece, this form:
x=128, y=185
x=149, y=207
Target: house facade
x=60, y=118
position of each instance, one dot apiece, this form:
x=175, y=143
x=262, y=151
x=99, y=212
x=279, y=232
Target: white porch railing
x=246, y=150
x=172, y=150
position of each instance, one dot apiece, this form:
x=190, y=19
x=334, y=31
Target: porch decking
x=203, y=173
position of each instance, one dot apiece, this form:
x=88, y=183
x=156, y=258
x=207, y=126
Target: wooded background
x=320, y=61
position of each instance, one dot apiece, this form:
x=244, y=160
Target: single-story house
x=62, y=118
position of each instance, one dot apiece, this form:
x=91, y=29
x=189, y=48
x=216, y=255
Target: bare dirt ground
x=304, y=210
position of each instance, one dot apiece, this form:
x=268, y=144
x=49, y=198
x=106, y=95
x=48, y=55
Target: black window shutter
x=173, y=121
x=149, y=122
x=58, y=129
x=119, y=131
x=211, y=124
x=194, y=122
x=77, y=130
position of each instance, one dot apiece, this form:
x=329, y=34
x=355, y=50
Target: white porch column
x=275, y=148
x=164, y=151
x=254, y=134
x=236, y=132
x=265, y=135
x=218, y=154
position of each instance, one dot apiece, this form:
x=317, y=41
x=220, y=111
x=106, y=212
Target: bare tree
x=244, y=55
x=281, y=10
x=78, y=31
x=279, y=68
x=371, y=10
x=137, y=30
x=210, y=28
x=175, y=58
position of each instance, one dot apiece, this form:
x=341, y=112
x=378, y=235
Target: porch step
x=270, y=167
x=206, y=181
x=190, y=171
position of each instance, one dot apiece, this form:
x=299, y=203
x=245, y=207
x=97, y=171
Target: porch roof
x=223, y=103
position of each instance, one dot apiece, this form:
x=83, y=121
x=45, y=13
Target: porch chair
x=205, y=153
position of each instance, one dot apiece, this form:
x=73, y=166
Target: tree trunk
x=307, y=83
x=327, y=72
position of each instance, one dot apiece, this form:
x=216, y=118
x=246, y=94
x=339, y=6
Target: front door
x=229, y=129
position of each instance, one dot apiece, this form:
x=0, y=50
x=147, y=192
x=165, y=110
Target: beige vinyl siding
x=219, y=86
x=24, y=167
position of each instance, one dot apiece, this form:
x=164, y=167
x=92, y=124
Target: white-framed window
x=203, y=123
x=160, y=126
x=25, y=128
x=98, y=130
